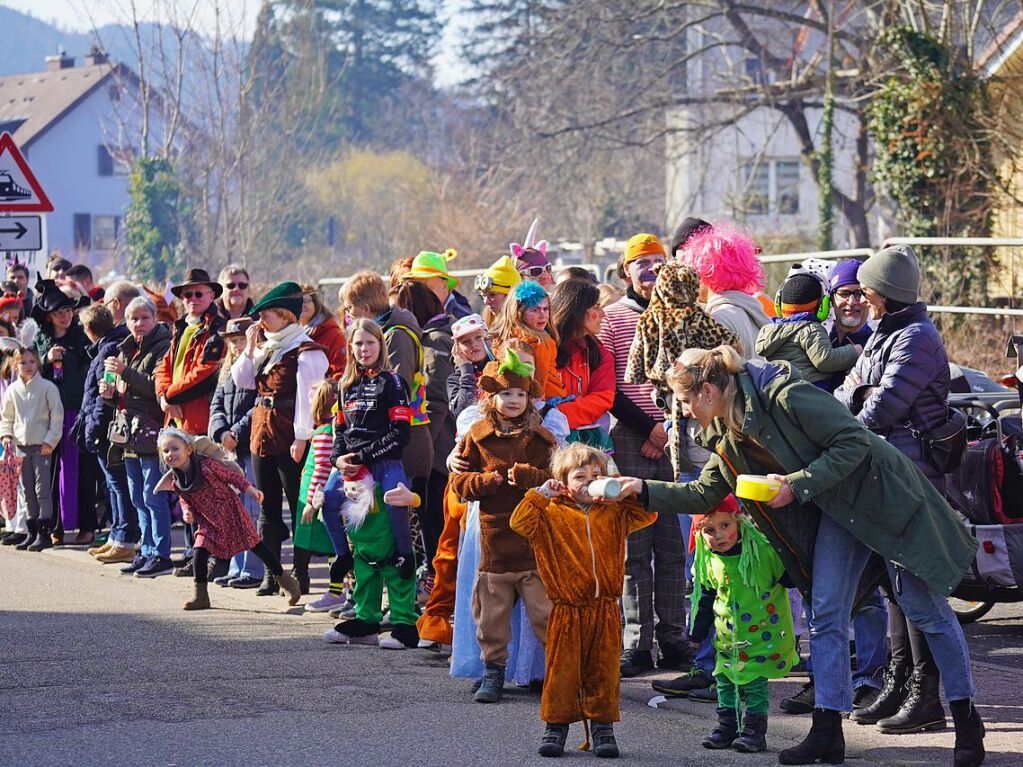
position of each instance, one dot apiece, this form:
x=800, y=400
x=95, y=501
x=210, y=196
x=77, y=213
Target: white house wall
x=65, y=160
x=704, y=176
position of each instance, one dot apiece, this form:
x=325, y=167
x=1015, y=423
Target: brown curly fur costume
x=584, y=631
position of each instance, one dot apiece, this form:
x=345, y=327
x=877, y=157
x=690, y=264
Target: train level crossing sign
x=20, y=192
x=21, y=233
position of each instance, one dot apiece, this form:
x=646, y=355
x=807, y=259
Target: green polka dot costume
x=755, y=638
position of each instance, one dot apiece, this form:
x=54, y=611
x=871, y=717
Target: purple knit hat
x=845, y=273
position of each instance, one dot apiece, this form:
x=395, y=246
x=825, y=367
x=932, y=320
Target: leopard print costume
x=672, y=323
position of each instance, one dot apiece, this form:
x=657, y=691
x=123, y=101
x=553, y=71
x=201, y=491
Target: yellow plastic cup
x=756, y=487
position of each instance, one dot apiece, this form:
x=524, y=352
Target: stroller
x=987, y=490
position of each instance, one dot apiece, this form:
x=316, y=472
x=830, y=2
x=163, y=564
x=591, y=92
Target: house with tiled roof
x=75, y=126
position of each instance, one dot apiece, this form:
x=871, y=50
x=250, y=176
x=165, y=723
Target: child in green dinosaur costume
x=738, y=586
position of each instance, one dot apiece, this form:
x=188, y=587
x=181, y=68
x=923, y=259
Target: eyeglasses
x=236, y=285
x=845, y=295
x=192, y=294
x=535, y=271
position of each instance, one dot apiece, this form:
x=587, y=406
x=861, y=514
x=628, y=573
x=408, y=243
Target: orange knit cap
x=640, y=245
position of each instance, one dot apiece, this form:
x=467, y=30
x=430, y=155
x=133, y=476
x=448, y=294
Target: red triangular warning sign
x=20, y=192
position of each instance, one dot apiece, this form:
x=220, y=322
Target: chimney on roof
x=96, y=56
x=60, y=61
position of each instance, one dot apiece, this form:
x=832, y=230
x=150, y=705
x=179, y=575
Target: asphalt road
x=101, y=669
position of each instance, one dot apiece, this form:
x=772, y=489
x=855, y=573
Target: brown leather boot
x=200, y=600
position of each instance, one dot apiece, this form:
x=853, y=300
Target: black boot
x=552, y=742
x=803, y=702
x=824, y=743
x=921, y=711
x=300, y=567
x=33, y=531
x=604, y=744
x=42, y=540
x=754, y=734
x=268, y=587
x=13, y=539
x=969, y=750
x=493, y=684
x=726, y=731
x=889, y=700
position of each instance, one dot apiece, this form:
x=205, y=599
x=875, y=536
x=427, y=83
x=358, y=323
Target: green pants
x=754, y=694
x=369, y=594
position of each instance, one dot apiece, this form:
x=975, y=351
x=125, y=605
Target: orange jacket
x=594, y=390
x=193, y=390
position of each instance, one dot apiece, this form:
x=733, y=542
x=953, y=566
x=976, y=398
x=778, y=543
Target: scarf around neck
x=277, y=343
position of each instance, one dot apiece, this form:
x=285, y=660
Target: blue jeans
x=153, y=509
x=870, y=631
x=247, y=564
x=838, y=562
x=331, y=513
x=124, y=520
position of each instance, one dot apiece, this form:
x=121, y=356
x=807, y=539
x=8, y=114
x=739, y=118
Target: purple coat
x=905, y=360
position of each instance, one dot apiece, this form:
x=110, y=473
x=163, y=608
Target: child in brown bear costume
x=507, y=451
x=579, y=544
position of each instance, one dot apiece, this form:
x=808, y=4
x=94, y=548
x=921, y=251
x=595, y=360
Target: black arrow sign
x=19, y=232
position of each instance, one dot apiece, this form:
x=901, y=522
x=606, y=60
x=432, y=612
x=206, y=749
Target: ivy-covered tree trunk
x=934, y=162
x=151, y=224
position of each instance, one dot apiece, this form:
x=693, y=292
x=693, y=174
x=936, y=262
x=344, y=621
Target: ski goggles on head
x=484, y=283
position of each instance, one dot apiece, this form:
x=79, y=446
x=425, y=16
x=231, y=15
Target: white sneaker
x=390, y=643
x=336, y=637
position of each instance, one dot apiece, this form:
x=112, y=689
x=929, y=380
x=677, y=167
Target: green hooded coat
x=854, y=476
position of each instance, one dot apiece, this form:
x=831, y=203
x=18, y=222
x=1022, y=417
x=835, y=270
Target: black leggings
x=909, y=645
x=278, y=477
x=431, y=514
x=201, y=562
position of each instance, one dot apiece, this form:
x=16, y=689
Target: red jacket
x=193, y=390
x=329, y=335
x=594, y=390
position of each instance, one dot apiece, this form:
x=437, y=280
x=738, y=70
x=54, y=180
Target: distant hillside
x=27, y=41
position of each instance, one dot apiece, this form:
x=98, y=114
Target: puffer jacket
x=906, y=363
x=438, y=365
x=95, y=410
x=140, y=400
x=231, y=411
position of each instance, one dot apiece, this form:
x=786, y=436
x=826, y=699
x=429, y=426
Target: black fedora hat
x=198, y=277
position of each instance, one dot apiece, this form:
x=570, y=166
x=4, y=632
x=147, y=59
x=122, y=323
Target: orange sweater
x=545, y=352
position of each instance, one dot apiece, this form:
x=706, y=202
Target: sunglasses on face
x=237, y=285
x=196, y=294
x=535, y=271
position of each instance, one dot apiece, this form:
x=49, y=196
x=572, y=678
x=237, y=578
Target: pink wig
x=725, y=258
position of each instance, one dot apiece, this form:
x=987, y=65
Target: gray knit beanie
x=894, y=273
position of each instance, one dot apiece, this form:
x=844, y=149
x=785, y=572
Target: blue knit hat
x=845, y=273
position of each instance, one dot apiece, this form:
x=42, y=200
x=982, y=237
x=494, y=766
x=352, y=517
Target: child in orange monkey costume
x=579, y=543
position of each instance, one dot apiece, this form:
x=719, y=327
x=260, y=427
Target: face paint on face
x=720, y=531
x=537, y=317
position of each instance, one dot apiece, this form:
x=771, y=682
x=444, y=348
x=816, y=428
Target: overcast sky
x=82, y=15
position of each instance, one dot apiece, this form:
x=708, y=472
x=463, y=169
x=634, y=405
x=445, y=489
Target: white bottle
x=607, y=488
